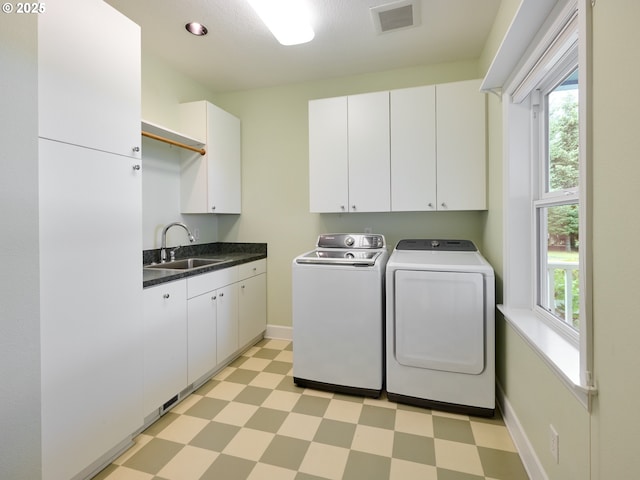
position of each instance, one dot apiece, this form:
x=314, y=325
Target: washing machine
x=338, y=314
x=440, y=326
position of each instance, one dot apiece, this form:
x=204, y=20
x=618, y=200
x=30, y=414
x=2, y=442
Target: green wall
x=275, y=176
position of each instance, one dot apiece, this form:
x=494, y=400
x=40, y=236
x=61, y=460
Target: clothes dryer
x=440, y=331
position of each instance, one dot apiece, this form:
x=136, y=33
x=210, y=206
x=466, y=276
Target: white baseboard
x=280, y=332
x=527, y=454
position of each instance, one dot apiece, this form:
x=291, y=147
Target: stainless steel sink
x=185, y=264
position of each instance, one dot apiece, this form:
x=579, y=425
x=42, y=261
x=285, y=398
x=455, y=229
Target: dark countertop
x=232, y=254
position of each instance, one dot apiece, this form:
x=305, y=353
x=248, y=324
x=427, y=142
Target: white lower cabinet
x=165, y=343
x=201, y=333
x=252, y=301
x=227, y=329
x=194, y=326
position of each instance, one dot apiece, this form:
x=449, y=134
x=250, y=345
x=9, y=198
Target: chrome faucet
x=163, y=247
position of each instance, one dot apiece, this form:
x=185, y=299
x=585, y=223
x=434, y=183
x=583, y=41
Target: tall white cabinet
x=90, y=210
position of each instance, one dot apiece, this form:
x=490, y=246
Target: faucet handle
x=172, y=252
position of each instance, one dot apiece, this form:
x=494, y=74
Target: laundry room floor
x=250, y=422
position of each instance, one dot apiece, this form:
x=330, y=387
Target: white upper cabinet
x=89, y=77
x=369, y=170
x=413, y=149
x=349, y=153
x=328, y=155
x=211, y=183
x=462, y=150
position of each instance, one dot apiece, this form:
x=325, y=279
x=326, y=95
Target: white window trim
x=570, y=361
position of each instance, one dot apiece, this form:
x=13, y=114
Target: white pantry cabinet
x=90, y=211
x=349, y=153
x=89, y=74
x=211, y=183
x=165, y=343
x=252, y=301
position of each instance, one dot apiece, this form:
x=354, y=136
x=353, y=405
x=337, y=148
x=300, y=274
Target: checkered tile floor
x=250, y=422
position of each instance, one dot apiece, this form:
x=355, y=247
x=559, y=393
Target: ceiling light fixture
x=196, y=28
x=288, y=20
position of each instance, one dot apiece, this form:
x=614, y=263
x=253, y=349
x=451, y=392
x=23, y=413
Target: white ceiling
x=240, y=53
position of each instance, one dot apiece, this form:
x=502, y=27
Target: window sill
x=560, y=355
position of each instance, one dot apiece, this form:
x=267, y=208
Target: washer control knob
x=349, y=241
x=435, y=243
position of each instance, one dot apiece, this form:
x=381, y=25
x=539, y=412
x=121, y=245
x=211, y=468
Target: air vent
x=395, y=16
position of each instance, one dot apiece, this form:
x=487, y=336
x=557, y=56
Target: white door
x=413, y=149
x=328, y=163
x=461, y=146
x=91, y=304
x=439, y=320
x=369, y=156
x=89, y=77
x=223, y=145
x=227, y=322
x=201, y=334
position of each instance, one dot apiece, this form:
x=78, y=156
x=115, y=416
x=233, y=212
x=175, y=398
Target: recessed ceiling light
x=288, y=20
x=196, y=28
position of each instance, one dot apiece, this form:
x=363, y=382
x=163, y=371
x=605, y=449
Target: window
x=546, y=188
x=557, y=199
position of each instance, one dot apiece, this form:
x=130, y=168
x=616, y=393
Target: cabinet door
x=223, y=145
x=328, y=162
x=90, y=302
x=211, y=183
x=89, y=77
x=227, y=322
x=413, y=149
x=461, y=146
x=252, y=305
x=165, y=343
x=369, y=155
x=201, y=321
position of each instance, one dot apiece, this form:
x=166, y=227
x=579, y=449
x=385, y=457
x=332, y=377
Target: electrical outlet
x=554, y=443
x=196, y=233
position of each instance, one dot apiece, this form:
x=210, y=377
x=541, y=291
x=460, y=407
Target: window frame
x=570, y=359
x=546, y=199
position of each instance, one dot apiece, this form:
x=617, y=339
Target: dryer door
x=439, y=320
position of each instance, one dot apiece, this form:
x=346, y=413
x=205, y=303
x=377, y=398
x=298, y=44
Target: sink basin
x=185, y=264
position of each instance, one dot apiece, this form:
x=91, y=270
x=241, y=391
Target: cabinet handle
x=242, y=286
x=430, y=205
x=136, y=149
x=342, y=207
x=166, y=295
x=353, y=207
x=222, y=294
x=214, y=297
x=444, y=205
x=136, y=167
x=213, y=208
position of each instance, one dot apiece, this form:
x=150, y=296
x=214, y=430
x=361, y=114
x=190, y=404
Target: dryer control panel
x=437, y=244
